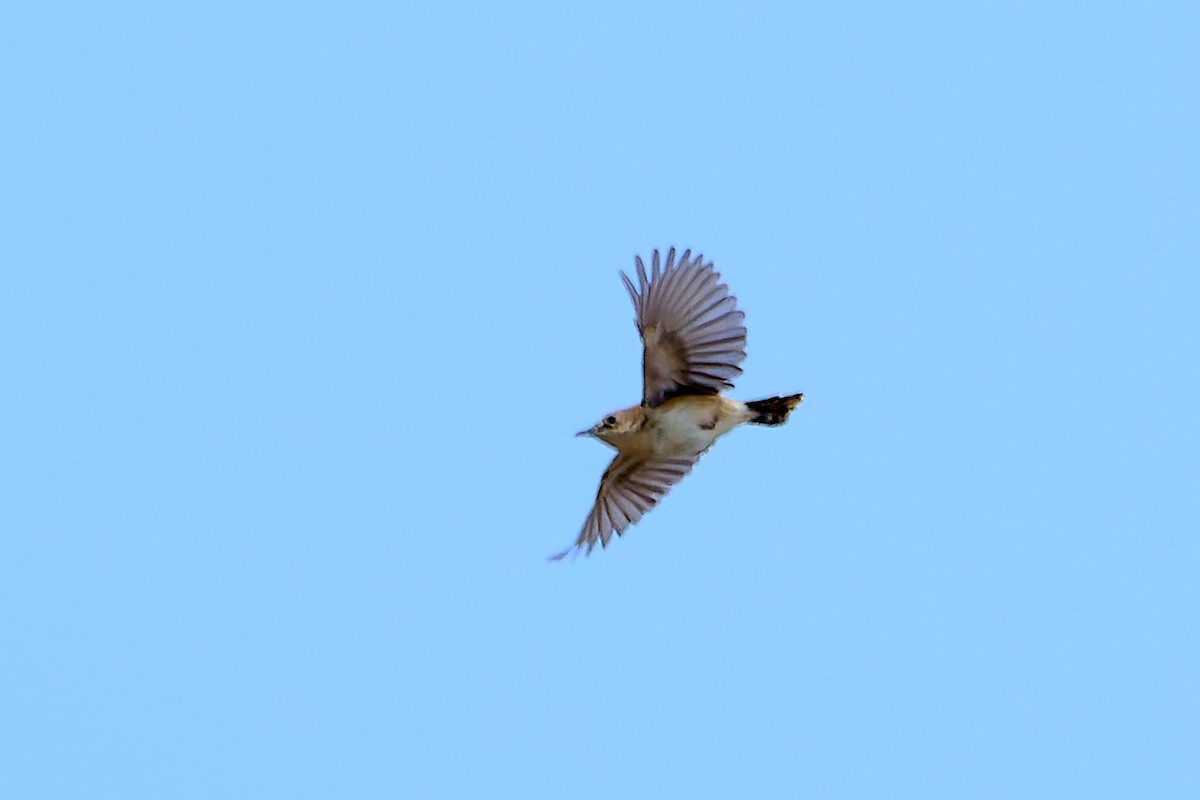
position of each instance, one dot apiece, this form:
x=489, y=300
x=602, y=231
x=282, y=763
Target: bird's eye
x=610, y=421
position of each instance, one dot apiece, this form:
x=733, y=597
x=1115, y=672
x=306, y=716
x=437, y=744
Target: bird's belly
x=690, y=425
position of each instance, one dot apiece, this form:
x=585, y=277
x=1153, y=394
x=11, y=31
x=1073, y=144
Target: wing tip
x=634, y=297
x=573, y=550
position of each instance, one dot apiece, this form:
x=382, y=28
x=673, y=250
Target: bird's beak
x=588, y=432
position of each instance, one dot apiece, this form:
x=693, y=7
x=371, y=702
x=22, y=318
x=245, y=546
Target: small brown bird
x=693, y=341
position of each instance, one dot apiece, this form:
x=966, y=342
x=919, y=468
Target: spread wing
x=631, y=486
x=691, y=328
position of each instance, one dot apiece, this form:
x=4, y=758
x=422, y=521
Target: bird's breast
x=687, y=425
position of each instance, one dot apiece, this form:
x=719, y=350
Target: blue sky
x=301, y=305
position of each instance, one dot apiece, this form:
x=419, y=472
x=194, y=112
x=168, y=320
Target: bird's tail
x=773, y=410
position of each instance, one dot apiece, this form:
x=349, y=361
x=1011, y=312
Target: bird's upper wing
x=631, y=486
x=691, y=328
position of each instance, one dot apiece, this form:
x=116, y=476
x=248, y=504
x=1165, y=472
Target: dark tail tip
x=773, y=410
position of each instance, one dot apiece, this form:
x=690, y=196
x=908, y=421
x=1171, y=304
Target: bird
x=693, y=343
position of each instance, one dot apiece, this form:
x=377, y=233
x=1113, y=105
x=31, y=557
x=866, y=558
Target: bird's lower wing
x=631, y=486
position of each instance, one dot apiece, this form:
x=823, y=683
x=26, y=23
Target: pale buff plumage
x=693, y=343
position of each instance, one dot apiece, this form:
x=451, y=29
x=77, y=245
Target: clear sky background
x=302, y=304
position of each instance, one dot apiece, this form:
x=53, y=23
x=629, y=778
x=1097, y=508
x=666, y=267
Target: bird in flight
x=693, y=343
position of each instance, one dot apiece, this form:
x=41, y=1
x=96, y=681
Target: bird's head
x=615, y=425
